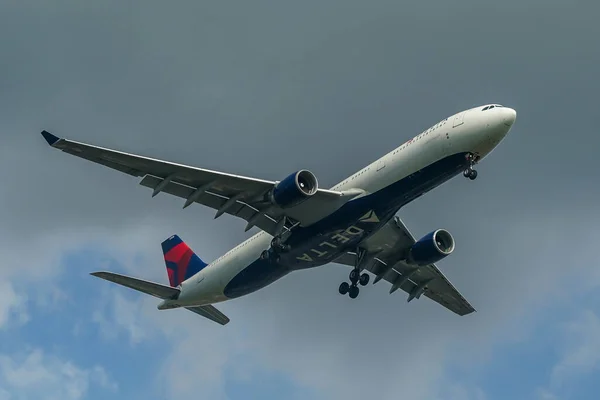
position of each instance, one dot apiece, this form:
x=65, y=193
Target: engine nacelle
x=431, y=248
x=294, y=189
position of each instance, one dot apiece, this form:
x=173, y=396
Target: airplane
x=302, y=226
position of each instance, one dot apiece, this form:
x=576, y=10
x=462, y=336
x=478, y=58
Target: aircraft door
x=380, y=164
x=458, y=119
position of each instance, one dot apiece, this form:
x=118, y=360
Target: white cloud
x=545, y=394
x=13, y=308
x=301, y=322
x=579, y=358
x=302, y=328
x=456, y=391
x=582, y=354
x=118, y=312
x=34, y=375
x=196, y=362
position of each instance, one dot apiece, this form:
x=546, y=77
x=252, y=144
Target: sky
x=262, y=88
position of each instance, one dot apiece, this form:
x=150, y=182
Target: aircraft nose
x=508, y=116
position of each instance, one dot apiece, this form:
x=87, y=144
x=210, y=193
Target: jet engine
x=431, y=248
x=294, y=189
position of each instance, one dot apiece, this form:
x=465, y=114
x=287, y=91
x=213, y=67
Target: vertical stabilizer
x=182, y=263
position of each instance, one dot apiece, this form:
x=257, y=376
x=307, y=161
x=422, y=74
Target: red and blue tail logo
x=182, y=263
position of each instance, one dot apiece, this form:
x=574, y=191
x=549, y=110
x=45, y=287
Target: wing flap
x=392, y=242
x=151, y=288
x=214, y=200
x=211, y=313
x=439, y=288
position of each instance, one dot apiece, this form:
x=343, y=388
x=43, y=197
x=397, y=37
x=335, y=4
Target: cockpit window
x=490, y=107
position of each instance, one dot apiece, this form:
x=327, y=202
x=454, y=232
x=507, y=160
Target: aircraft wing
x=389, y=245
x=236, y=195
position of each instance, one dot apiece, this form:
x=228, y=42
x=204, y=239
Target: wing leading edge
x=389, y=244
x=236, y=195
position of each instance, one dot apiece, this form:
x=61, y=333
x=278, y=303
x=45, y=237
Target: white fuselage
x=473, y=130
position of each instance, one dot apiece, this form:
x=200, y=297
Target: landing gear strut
x=355, y=278
x=277, y=247
x=470, y=172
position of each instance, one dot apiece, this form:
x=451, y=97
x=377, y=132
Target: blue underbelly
x=343, y=230
x=255, y=276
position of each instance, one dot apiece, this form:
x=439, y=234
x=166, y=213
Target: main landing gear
x=355, y=278
x=277, y=247
x=470, y=172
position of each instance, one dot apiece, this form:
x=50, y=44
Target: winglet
x=50, y=138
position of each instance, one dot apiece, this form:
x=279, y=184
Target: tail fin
x=182, y=263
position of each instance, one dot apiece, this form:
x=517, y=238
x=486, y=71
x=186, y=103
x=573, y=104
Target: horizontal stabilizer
x=154, y=289
x=211, y=313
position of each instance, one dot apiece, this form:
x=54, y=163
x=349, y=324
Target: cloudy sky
x=262, y=88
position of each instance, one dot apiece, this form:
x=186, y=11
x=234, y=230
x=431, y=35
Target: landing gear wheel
x=270, y=255
x=344, y=288
x=470, y=173
x=353, y=291
x=364, y=279
x=354, y=276
x=276, y=242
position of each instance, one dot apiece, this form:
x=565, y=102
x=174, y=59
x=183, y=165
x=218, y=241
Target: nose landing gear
x=470, y=172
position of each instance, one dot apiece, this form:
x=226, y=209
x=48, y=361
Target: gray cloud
x=263, y=88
